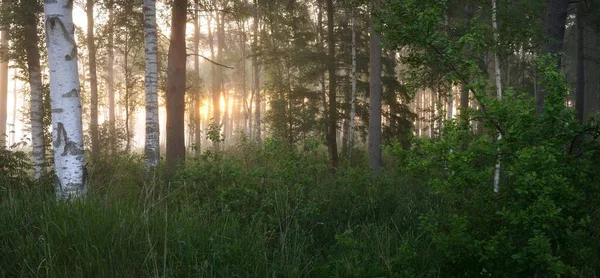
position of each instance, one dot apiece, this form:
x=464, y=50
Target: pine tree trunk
x=580, y=93
x=332, y=108
x=67, y=133
x=216, y=96
x=30, y=23
x=111, y=80
x=152, y=145
x=257, y=95
x=93, y=79
x=375, y=96
x=176, y=72
x=554, y=27
x=196, y=80
x=354, y=81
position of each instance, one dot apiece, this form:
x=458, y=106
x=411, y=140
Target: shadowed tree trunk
x=3, y=81
x=554, y=27
x=196, y=117
x=375, y=96
x=93, y=79
x=332, y=109
x=580, y=93
x=176, y=87
x=257, y=96
x=32, y=51
x=110, y=82
x=67, y=133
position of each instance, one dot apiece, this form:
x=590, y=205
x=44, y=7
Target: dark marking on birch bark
x=72, y=93
x=70, y=146
x=54, y=20
x=57, y=110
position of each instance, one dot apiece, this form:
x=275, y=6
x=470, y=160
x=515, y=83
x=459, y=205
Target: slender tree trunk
x=30, y=23
x=67, y=132
x=332, y=109
x=152, y=145
x=3, y=81
x=15, y=108
x=93, y=79
x=216, y=96
x=127, y=92
x=556, y=17
x=375, y=96
x=450, y=111
x=498, y=88
x=111, y=80
x=257, y=95
x=580, y=94
x=354, y=81
x=196, y=80
x=176, y=72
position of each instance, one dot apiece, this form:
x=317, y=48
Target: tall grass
x=221, y=216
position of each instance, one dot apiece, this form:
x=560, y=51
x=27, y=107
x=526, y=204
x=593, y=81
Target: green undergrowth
x=277, y=211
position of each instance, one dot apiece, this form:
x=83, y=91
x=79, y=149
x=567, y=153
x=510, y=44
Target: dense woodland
x=287, y=138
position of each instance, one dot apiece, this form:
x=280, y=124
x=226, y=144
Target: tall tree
x=556, y=17
x=152, y=146
x=332, y=109
x=196, y=80
x=354, y=83
x=110, y=79
x=67, y=133
x=93, y=79
x=375, y=94
x=176, y=76
x=32, y=51
x=580, y=92
x=256, y=88
x=498, y=76
x=3, y=79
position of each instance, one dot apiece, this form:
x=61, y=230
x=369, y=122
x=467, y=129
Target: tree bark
x=67, y=133
x=354, y=82
x=257, y=96
x=152, y=145
x=93, y=80
x=554, y=27
x=332, y=108
x=3, y=82
x=32, y=51
x=498, y=76
x=176, y=72
x=375, y=95
x=580, y=93
x=111, y=80
x=196, y=80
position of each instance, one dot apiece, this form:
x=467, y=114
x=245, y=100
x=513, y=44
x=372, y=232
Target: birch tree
x=152, y=146
x=67, y=135
x=498, y=89
x=32, y=51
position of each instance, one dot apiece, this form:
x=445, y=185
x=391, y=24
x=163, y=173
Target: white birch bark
x=67, y=135
x=152, y=147
x=498, y=88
